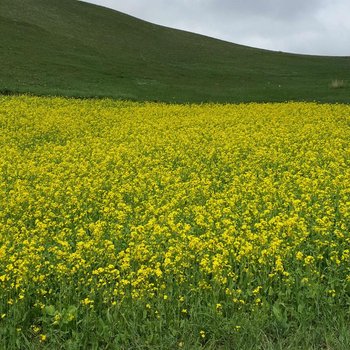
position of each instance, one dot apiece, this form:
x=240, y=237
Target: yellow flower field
x=111, y=205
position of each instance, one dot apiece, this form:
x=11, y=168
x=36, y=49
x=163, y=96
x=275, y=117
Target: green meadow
x=72, y=48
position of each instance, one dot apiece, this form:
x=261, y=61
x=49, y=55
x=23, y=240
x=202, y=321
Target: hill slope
x=73, y=48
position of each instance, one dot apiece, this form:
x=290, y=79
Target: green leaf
x=50, y=310
x=277, y=313
x=72, y=309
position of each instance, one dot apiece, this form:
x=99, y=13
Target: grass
x=48, y=47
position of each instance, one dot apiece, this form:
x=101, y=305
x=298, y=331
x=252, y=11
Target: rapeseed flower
x=107, y=202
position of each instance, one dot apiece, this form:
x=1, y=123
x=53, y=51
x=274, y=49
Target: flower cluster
x=105, y=201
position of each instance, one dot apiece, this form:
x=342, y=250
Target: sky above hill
x=320, y=27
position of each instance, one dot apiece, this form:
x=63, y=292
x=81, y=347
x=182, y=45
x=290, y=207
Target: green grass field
x=71, y=48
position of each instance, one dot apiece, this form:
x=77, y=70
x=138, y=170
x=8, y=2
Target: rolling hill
x=71, y=48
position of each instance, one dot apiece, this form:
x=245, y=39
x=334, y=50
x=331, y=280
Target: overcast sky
x=319, y=27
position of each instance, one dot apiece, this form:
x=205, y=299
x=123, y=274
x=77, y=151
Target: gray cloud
x=312, y=27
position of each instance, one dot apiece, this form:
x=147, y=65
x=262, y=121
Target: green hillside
x=73, y=48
